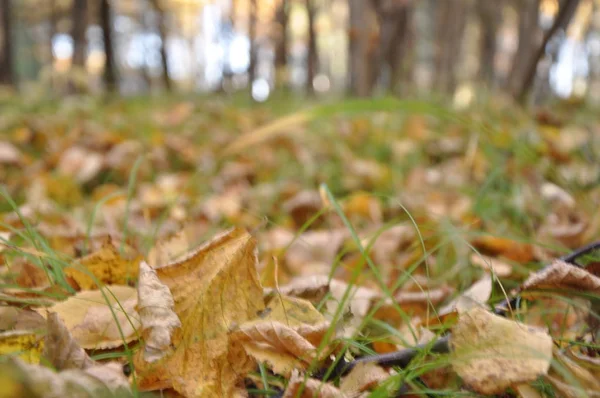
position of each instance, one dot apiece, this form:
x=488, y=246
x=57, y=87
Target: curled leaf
x=156, y=309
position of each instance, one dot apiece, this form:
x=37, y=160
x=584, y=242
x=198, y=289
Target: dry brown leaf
x=80, y=163
x=303, y=206
x=298, y=387
x=106, y=265
x=389, y=243
x=561, y=275
x=26, y=344
x=36, y=381
x=564, y=226
x=9, y=154
x=491, y=353
x=285, y=336
x=363, y=377
x=476, y=295
x=573, y=380
x=315, y=248
x=498, y=267
x=156, y=309
x=91, y=320
x=61, y=349
x=507, y=248
x=215, y=288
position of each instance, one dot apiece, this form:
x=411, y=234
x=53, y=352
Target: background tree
x=395, y=19
x=79, y=25
x=110, y=68
x=253, y=45
x=312, y=55
x=490, y=19
x=361, y=38
x=451, y=21
x=561, y=21
x=282, y=17
x=529, y=35
x=162, y=31
x=7, y=76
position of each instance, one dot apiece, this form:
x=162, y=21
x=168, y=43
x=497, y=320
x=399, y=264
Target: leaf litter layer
x=354, y=248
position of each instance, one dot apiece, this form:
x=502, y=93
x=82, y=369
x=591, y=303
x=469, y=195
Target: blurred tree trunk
x=394, y=17
x=7, y=75
x=53, y=21
x=490, y=18
x=79, y=21
x=110, y=67
x=530, y=35
x=312, y=57
x=561, y=21
x=282, y=16
x=162, y=31
x=361, y=51
x=451, y=20
x=252, y=38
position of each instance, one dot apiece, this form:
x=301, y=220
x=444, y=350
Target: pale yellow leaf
x=96, y=318
x=363, y=377
x=491, y=353
x=61, y=349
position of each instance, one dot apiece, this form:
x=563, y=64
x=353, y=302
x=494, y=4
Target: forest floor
x=129, y=231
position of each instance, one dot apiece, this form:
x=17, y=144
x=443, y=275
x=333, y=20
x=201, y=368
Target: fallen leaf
x=475, y=296
x=491, y=353
x=107, y=267
x=286, y=337
x=561, y=275
x=300, y=386
x=215, y=288
x=96, y=318
x=170, y=250
x=304, y=206
x=25, y=344
x=317, y=248
x=159, y=321
x=507, y=248
x=36, y=381
x=363, y=377
x=61, y=349
x=494, y=265
x=80, y=163
x=9, y=154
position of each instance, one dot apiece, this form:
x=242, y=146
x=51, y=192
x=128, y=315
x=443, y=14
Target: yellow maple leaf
x=106, y=265
x=215, y=288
